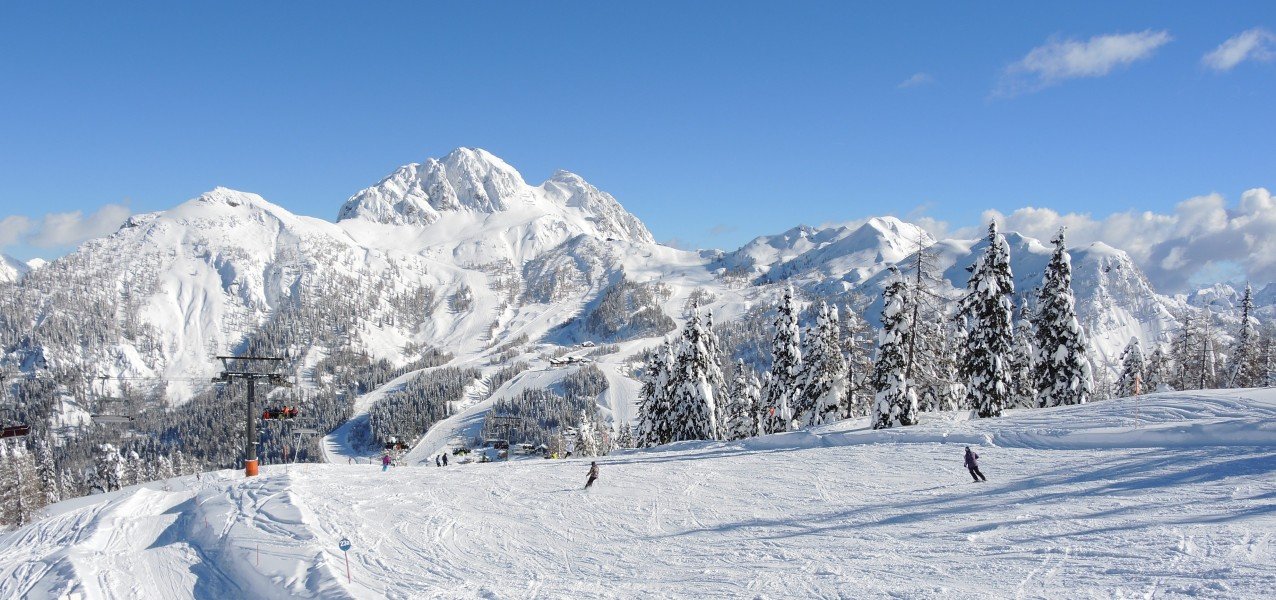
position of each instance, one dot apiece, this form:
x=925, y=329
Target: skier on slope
x=972, y=463
x=385, y=461
x=438, y=460
x=593, y=474
x=445, y=459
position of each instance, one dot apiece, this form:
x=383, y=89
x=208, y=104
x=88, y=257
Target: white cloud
x=678, y=243
x=1255, y=44
x=918, y=79
x=1200, y=235
x=13, y=229
x=721, y=229
x=70, y=228
x=1060, y=60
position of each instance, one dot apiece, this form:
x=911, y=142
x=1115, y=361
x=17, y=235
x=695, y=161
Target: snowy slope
x=12, y=269
x=194, y=281
x=1172, y=499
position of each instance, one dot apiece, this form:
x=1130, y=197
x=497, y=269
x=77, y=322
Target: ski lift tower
x=251, y=369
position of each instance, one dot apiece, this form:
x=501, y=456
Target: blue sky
x=714, y=122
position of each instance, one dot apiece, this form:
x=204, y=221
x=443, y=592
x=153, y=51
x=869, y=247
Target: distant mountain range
x=461, y=254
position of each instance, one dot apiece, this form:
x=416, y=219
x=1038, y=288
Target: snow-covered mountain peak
x=474, y=182
x=894, y=226
x=416, y=194
x=853, y=251
x=221, y=200
x=12, y=269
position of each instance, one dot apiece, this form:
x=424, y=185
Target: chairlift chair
x=274, y=414
x=107, y=417
x=13, y=426
x=395, y=442
x=304, y=427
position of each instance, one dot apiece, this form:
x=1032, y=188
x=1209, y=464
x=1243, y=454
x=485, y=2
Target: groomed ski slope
x=1167, y=496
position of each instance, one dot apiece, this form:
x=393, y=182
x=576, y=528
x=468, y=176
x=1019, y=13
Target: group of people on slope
x=440, y=460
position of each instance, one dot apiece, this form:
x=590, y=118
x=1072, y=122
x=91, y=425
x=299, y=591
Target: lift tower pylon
x=253, y=370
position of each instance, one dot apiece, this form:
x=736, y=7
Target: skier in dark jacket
x=385, y=461
x=972, y=463
x=593, y=474
x=445, y=459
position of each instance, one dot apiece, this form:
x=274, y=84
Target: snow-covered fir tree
x=1104, y=387
x=782, y=388
x=692, y=405
x=742, y=409
x=1247, y=369
x=586, y=436
x=108, y=474
x=46, y=470
x=717, y=379
x=1194, y=352
x=986, y=361
x=1270, y=361
x=625, y=436
x=1063, y=371
x=1132, y=371
x=858, y=347
x=895, y=401
x=134, y=469
x=1209, y=353
x=164, y=467
x=764, y=411
x=21, y=495
x=654, y=424
x=952, y=396
x=1023, y=385
x=927, y=313
x=1156, y=374
x=823, y=380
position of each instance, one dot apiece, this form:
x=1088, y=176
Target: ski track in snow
x=838, y=512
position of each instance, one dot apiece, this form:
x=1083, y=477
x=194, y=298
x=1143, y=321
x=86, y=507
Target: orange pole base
x=250, y=468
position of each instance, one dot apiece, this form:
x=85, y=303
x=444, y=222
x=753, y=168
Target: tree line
x=979, y=352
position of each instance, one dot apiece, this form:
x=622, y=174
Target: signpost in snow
x=344, y=544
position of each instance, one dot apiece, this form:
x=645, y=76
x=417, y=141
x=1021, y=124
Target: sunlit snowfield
x=1081, y=502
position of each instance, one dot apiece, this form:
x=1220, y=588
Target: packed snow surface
x=1164, y=496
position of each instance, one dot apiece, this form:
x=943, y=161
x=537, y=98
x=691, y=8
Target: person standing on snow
x=438, y=461
x=972, y=463
x=593, y=474
x=385, y=462
x=445, y=459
